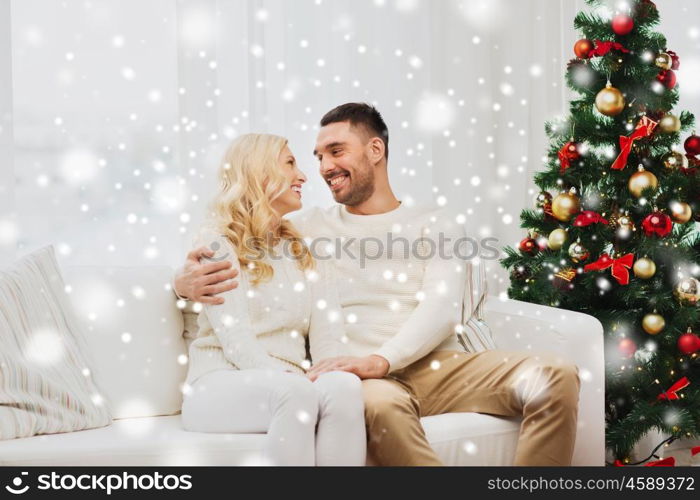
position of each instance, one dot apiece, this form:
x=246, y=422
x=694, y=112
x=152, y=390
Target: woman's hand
x=372, y=366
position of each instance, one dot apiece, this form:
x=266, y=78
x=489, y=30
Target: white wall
x=125, y=173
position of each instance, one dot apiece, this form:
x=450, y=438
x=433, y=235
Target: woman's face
x=290, y=200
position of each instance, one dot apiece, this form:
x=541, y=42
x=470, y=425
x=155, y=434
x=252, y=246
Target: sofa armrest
x=578, y=337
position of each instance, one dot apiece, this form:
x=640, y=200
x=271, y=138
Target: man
x=400, y=309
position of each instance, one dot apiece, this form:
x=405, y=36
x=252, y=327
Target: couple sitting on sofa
x=380, y=322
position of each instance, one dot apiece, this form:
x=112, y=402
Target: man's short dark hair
x=360, y=114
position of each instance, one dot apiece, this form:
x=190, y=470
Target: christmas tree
x=612, y=234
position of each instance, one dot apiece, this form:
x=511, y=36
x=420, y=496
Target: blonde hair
x=249, y=180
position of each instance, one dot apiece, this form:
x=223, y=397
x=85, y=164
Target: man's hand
x=368, y=367
x=201, y=282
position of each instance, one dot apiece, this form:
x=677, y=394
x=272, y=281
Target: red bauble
x=622, y=24
x=657, y=224
x=582, y=48
x=627, y=348
x=528, y=245
x=692, y=145
x=668, y=78
x=688, y=343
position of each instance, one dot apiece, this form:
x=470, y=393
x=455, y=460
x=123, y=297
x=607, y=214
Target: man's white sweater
x=400, y=280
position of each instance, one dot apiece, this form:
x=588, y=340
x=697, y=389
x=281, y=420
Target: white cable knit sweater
x=265, y=326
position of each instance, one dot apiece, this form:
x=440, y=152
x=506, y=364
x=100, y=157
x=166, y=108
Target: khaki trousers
x=539, y=387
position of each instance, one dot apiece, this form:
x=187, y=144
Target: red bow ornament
x=602, y=48
x=676, y=62
x=644, y=129
x=620, y=267
x=588, y=217
x=671, y=393
x=567, y=154
x=666, y=462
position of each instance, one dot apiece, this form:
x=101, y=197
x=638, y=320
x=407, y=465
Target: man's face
x=344, y=162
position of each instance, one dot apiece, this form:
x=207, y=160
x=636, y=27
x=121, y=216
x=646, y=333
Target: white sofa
x=134, y=331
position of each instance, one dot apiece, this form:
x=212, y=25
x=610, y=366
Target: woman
x=248, y=361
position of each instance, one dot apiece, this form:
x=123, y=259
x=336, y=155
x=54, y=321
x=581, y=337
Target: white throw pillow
x=46, y=383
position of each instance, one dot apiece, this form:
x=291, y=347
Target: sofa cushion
x=473, y=438
x=134, y=333
x=146, y=441
x=46, y=382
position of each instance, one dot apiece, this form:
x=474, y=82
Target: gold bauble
x=641, y=180
x=565, y=205
x=681, y=212
x=669, y=124
x=557, y=238
x=663, y=60
x=621, y=220
x=578, y=252
x=644, y=268
x=625, y=222
x=673, y=160
x=653, y=323
x=610, y=101
x=625, y=226
x=687, y=291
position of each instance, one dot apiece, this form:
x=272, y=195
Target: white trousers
x=319, y=423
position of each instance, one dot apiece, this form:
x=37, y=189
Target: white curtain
x=7, y=180
x=123, y=109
